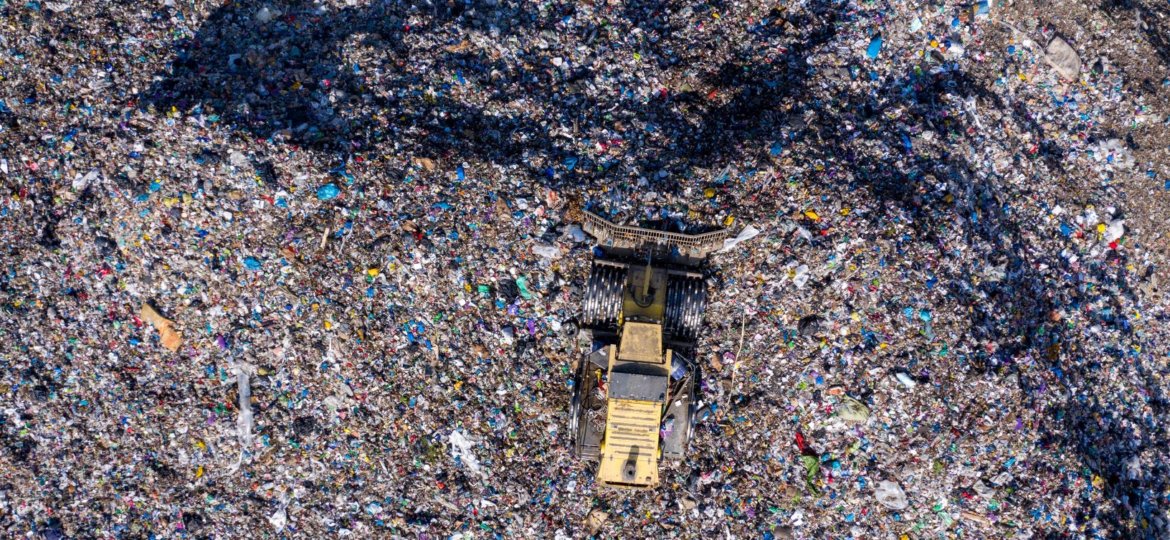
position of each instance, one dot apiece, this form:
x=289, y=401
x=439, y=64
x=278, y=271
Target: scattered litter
x=944, y=279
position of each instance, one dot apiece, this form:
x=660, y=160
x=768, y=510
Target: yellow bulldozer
x=633, y=401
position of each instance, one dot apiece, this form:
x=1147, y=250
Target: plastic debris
x=852, y=410
x=461, y=450
x=1061, y=56
x=328, y=192
x=875, y=47
x=364, y=219
x=890, y=495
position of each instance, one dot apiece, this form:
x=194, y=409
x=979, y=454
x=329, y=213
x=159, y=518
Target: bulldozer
x=634, y=397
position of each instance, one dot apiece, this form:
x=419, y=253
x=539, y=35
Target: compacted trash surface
x=314, y=268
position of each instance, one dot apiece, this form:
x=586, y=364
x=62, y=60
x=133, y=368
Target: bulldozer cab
x=633, y=399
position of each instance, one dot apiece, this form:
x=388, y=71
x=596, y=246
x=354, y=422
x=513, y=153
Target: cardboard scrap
x=977, y=518
x=170, y=338
x=426, y=163
x=460, y=47
x=595, y=520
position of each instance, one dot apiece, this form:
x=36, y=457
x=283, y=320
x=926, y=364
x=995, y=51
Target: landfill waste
x=890, y=495
x=169, y=337
x=328, y=192
x=852, y=410
x=745, y=234
x=874, y=48
x=1063, y=58
x=461, y=450
x=315, y=269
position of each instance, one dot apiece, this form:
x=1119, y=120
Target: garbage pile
x=314, y=268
